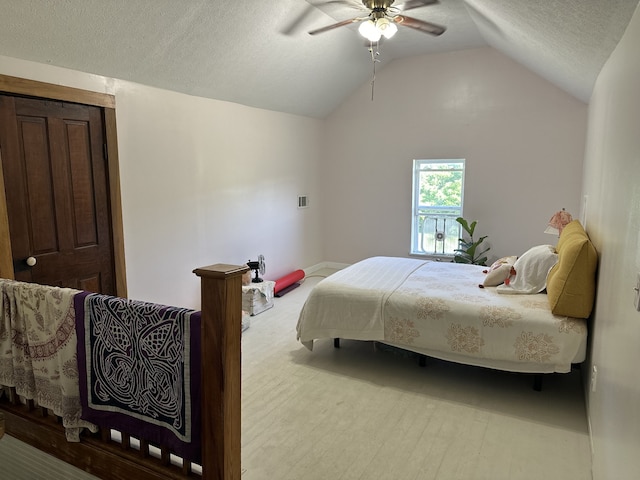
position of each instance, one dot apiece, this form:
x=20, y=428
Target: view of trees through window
x=437, y=202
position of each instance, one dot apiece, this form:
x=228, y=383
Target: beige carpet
x=361, y=412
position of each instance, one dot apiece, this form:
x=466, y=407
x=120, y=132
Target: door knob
x=31, y=261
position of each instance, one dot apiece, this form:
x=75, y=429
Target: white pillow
x=531, y=270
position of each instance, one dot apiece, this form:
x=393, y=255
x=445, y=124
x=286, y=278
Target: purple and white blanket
x=139, y=366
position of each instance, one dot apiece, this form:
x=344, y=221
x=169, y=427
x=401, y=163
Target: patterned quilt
x=437, y=308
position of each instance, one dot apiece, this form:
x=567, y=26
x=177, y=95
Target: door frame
x=32, y=88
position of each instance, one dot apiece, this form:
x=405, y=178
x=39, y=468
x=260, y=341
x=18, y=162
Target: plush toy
x=512, y=273
x=499, y=272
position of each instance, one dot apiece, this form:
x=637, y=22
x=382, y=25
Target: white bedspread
x=438, y=309
x=350, y=303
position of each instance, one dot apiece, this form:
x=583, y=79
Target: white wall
x=522, y=137
x=611, y=181
x=203, y=182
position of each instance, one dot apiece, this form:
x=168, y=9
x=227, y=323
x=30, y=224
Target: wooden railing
x=221, y=293
x=134, y=458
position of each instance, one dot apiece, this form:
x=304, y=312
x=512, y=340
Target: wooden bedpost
x=221, y=291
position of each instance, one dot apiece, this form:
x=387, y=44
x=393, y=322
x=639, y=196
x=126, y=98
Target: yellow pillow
x=571, y=283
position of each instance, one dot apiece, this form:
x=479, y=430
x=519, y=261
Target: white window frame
x=443, y=218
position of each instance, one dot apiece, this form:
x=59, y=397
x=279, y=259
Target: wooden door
x=57, y=193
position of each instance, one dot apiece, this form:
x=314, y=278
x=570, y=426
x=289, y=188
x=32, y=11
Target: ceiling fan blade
x=346, y=3
x=425, y=27
x=411, y=4
x=295, y=25
x=336, y=25
x=316, y=4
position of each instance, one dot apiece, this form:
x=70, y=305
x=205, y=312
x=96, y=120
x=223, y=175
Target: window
x=437, y=202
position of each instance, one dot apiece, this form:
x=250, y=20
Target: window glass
x=438, y=187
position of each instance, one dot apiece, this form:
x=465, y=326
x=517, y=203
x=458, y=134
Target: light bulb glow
x=382, y=23
x=387, y=28
x=369, y=31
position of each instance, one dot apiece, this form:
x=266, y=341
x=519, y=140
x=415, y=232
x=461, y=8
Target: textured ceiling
x=258, y=52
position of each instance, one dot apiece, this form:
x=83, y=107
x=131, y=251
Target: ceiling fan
x=383, y=18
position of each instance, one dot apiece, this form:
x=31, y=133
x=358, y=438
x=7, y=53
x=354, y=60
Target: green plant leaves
x=467, y=253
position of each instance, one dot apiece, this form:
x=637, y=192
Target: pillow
x=571, y=284
x=531, y=271
x=499, y=271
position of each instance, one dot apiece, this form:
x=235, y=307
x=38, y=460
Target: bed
x=532, y=320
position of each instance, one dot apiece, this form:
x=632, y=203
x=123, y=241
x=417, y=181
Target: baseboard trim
x=322, y=265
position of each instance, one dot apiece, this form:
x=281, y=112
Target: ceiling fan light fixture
x=369, y=31
x=386, y=28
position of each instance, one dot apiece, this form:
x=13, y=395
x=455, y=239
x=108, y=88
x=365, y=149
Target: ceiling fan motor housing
x=377, y=4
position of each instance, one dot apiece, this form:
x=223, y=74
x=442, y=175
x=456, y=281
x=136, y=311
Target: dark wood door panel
x=82, y=186
x=38, y=185
x=15, y=188
x=57, y=192
x=72, y=269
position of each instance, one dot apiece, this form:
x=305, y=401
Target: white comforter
x=438, y=309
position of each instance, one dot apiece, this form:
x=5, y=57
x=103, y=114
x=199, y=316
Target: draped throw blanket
x=139, y=368
x=38, y=349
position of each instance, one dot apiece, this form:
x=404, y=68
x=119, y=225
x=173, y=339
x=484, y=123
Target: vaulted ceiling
x=258, y=52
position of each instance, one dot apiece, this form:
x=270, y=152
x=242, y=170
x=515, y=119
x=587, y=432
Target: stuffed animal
x=499, y=272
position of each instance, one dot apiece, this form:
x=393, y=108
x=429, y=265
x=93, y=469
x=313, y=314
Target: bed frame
x=422, y=362
x=100, y=455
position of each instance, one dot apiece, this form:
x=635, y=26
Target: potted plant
x=469, y=248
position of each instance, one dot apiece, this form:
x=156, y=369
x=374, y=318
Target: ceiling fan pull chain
x=373, y=80
x=374, y=60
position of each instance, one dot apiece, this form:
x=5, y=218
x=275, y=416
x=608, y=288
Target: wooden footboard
x=129, y=457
